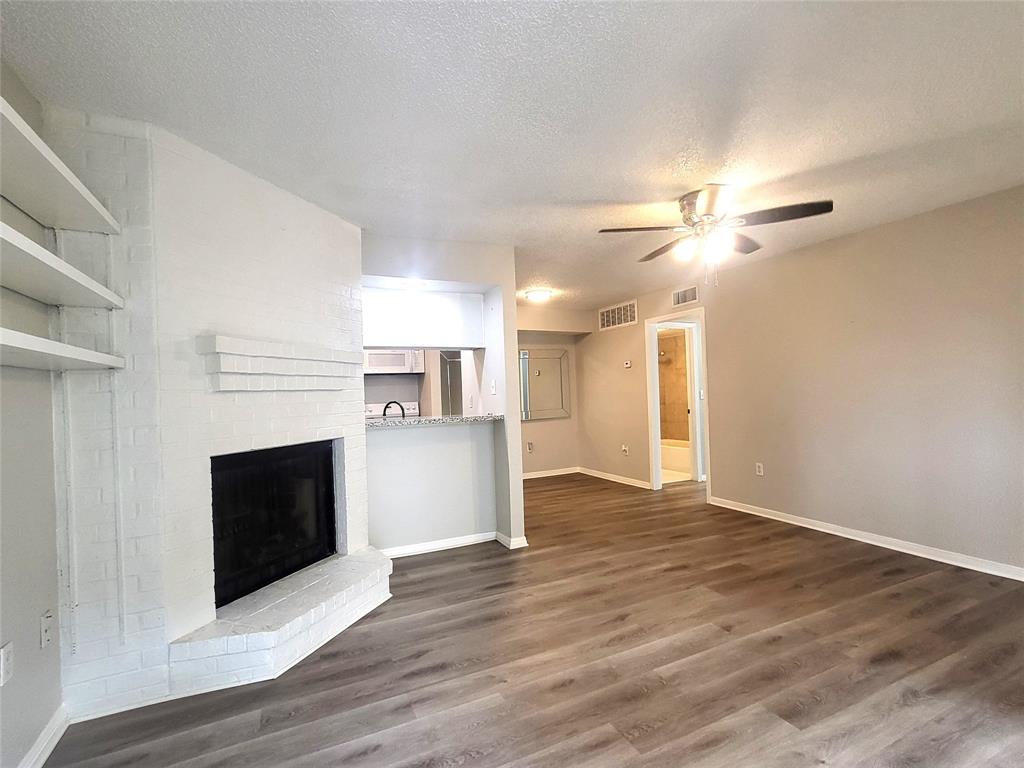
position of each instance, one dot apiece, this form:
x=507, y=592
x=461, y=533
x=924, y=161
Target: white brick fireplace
x=242, y=331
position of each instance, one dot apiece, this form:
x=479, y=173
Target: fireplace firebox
x=273, y=514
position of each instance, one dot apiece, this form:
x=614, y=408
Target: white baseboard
x=921, y=550
x=592, y=473
x=517, y=543
x=435, y=546
x=46, y=741
x=616, y=478
x=551, y=472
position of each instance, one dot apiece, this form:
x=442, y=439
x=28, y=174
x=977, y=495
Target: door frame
x=693, y=321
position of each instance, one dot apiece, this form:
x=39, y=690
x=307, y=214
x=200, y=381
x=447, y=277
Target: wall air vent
x=684, y=296
x=617, y=316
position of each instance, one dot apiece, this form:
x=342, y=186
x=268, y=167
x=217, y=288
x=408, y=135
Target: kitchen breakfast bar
x=432, y=481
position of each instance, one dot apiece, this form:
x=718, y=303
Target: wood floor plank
x=640, y=629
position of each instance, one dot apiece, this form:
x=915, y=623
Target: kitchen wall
x=419, y=318
x=28, y=515
x=403, y=387
x=456, y=462
x=879, y=377
x=492, y=269
x=555, y=441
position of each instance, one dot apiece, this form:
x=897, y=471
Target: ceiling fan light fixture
x=539, y=295
x=685, y=250
x=714, y=200
x=718, y=245
x=708, y=226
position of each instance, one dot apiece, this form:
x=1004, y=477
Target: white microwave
x=393, y=361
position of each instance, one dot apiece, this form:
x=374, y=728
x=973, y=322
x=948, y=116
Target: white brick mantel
x=251, y=365
x=241, y=330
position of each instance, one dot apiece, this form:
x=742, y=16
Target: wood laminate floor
x=638, y=629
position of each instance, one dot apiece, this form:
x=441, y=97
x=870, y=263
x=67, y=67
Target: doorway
x=677, y=398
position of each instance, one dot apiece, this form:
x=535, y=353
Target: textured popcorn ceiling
x=536, y=124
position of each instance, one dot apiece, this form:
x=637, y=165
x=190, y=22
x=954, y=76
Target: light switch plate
x=6, y=662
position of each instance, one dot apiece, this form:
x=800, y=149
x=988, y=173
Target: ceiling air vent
x=617, y=316
x=684, y=296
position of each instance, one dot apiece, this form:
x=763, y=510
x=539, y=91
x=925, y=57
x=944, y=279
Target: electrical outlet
x=529, y=446
x=625, y=450
x=471, y=402
x=6, y=662
x=759, y=469
x=46, y=626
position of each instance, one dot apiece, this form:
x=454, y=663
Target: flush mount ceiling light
x=708, y=228
x=538, y=295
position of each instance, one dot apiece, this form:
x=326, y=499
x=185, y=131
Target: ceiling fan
x=708, y=227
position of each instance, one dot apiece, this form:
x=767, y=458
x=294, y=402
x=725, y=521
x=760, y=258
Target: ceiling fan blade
x=643, y=229
x=664, y=249
x=744, y=244
x=785, y=213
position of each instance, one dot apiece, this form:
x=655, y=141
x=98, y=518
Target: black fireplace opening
x=273, y=514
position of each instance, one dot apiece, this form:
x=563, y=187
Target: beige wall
x=28, y=525
x=879, y=377
x=551, y=319
x=555, y=441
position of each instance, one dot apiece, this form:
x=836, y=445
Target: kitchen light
x=538, y=294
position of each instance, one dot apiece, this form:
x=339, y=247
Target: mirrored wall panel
x=544, y=383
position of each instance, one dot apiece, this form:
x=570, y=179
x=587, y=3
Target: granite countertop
x=429, y=421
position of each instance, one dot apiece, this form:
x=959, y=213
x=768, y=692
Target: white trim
x=692, y=320
x=921, y=550
x=46, y=741
x=616, y=478
x=591, y=473
x=434, y=546
x=517, y=543
x=551, y=472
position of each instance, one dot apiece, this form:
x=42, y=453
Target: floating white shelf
x=30, y=269
x=40, y=184
x=23, y=350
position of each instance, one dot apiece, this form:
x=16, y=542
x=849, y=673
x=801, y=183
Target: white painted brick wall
x=242, y=258
x=205, y=248
x=114, y=638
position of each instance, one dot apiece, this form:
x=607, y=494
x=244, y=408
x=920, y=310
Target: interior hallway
x=638, y=629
